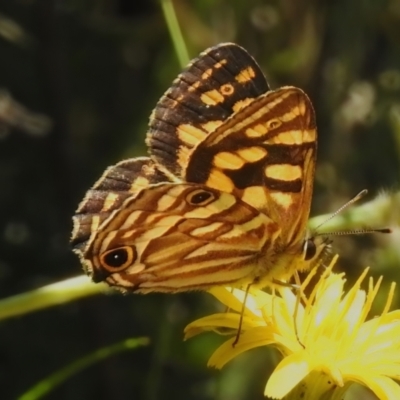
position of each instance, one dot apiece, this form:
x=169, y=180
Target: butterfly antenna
x=344, y=206
x=353, y=231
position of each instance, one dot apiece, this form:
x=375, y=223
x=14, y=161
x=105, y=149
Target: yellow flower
x=327, y=346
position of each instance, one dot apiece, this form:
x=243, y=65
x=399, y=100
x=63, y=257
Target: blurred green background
x=78, y=81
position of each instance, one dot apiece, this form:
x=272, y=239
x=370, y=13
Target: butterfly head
x=316, y=251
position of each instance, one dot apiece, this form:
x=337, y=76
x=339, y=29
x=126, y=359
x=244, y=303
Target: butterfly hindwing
x=176, y=237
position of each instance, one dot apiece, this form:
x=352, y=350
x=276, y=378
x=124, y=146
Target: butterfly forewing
x=218, y=83
x=180, y=237
x=264, y=154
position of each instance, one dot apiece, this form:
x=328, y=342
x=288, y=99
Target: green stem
x=175, y=32
x=50, y=295
x=55, y=379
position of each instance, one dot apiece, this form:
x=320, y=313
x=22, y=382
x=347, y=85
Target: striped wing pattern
x=178, y=237
x=117, y=183
x=265, y=155
x=225, y=195
x=221, y=81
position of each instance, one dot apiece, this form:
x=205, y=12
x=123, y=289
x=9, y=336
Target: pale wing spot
x=189, y=134
x=136, y=269
x=169, y=199
x=206, y=74
x=284, y=172
x=148, y=169
x=296, y=110
x=212, y=97
x=139, y=182
x=165, y=202
x=244, y=123
x=227, y=160
x=175, y=270
x=158, y=230
x=302, y=107
x=244, y=229
x=285, y=200
x=289, y=137
x=183, y=156
x=227, y=89
x=201, y=251
x=205, y=230
x=142, y=242
x=109, y=201
x=290, y=115
x=309, y=135
x=211, y=126
x=238, y=126
x=116, y=279
x=176, y=190
x=221, y=204
x=252, y=154
x=215, y=260
x=127, y=234
x=255, y=196
x=154, y=217
x=245, y=75
x=272, y=104
x=94, y=223
x=242, y=104
x=192, y=88
x=151, y=218
x=158, y=257
x=218, y=180
x=256, y=131
x=220, y=64
x=130, y=221
x=107, y=240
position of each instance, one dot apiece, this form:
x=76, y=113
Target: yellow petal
x=261, y=336
x=383, y=387
x=290, y=371
x=212, y=323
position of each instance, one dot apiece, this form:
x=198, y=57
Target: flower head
x=325, y=339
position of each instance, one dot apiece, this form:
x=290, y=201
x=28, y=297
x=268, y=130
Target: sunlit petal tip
x=227, y=351
x=289, y=372
x=215, y=322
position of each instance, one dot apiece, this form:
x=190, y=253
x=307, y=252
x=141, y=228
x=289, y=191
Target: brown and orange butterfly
x=225, y=195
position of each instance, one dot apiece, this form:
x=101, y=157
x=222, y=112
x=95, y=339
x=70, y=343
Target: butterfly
x=225, y=195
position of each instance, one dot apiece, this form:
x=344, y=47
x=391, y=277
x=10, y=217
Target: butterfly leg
x=297, y=287
x=241, y=316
